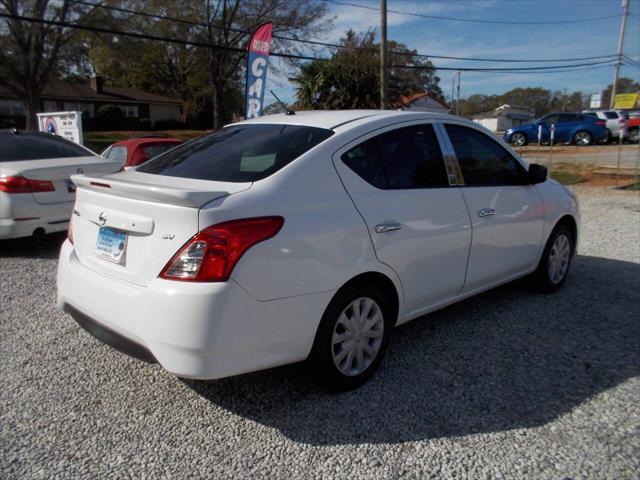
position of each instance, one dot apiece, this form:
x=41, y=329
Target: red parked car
x=135, y=151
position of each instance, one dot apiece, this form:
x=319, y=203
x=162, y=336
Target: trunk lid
x=59, y=171
x=156, y=216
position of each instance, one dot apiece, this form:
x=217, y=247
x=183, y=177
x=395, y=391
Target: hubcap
x=357, y=336
x=583, y=138
x=559, y=258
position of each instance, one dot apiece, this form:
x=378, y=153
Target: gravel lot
x=510, y=384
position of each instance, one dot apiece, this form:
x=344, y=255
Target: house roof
x=407, y=100
x=61, y=90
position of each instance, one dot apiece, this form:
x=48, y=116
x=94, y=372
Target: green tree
x=625, y=85
x=350, y=78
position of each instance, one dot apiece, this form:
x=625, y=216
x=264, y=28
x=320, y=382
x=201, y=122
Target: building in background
x=420, y=102
x=137, y=107
x=504, y=117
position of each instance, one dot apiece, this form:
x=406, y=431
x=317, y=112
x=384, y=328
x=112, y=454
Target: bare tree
x=30, y=51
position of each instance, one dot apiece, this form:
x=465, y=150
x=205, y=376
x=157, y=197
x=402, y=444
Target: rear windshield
x=242, y=153
x=37, y=147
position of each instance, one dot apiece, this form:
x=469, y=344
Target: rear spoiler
x=172, y=195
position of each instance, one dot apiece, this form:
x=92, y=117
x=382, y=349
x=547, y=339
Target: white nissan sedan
x=306, y=236
x=36, y=193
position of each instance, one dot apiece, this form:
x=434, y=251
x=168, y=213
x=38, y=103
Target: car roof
x=332, y=119
x=135, y=142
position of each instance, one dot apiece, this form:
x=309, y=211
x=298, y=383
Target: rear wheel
x=518, y=139
x=634, y=135
x=582, y=138
x=606, y=140
x=352, y=337
x=554, y=265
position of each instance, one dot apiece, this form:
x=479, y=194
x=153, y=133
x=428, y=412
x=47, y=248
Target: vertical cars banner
x=257, y=61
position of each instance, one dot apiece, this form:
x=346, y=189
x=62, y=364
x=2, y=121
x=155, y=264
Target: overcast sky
x=463, y=39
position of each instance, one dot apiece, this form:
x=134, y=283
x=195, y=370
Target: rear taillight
x=25, y=185
x=211, y=254
x=601, y=123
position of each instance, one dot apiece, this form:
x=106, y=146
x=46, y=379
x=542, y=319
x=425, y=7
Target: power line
x=277, y=54
x=332, y=45
x=474, y=20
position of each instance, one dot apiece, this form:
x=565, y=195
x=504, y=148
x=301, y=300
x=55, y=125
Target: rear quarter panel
x=323, y=243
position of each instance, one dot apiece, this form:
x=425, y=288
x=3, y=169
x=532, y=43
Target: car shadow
x=47, y=246
x=507, y=359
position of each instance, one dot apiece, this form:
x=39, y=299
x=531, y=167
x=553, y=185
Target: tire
x=556, y=259
x=334, y=362
x=518, y=139
x=634, y=135
x=607, y=139
x=582, y=138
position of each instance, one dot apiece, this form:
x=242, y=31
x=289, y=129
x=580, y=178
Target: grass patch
x=633, y=186
x=566, y=177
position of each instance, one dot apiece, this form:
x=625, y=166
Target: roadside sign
x=66, y=124
x=626, y=100
x=595, y=100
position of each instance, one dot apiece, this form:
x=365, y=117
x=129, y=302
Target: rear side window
x=404, y=158
x=611, y=115
x=590, y=114
x=155, y=150
x=17, y=147
x=117, y=153
x=483, y=161
x=242, y=153
x=569, y=117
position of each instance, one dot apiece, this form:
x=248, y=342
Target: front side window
x=483, y=161
x=117, y=153
x=241, y=153
x=404, y=158
x=550, y=119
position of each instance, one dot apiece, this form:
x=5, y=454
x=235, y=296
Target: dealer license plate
x=112, y=245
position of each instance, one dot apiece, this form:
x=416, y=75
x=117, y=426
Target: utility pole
x=453, y=90
x=384, y=103
x=458, y=96
x=616, y=68
x=564, y=99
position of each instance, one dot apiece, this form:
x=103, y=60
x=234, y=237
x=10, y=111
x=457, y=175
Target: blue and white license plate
x=111, y=245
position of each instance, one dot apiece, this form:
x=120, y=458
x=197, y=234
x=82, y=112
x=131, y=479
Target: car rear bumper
x=194, y=330
x=21, y=216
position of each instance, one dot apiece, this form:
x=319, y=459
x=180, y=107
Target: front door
x=507, y=214
x=417, y=221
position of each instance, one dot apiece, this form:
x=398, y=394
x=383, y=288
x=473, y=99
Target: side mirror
x=537, y=173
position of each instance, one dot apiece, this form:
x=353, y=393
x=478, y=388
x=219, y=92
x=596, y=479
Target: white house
x=504, y=117
x=421, y=102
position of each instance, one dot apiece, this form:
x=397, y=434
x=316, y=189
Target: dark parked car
x=569, y=128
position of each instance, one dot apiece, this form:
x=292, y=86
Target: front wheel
x=518, y=139
x=634, y=135
x=582, y=138
x=352, y=337
x=554, y=265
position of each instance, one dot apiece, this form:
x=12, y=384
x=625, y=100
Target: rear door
x=507, y=214
x=417, y=220
x=567, y=126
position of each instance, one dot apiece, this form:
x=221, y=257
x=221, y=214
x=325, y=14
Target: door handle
x=486, y=212
x=387, y=227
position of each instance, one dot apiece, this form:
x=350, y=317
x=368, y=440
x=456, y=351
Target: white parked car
x=306, y=236
x=36, y=193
